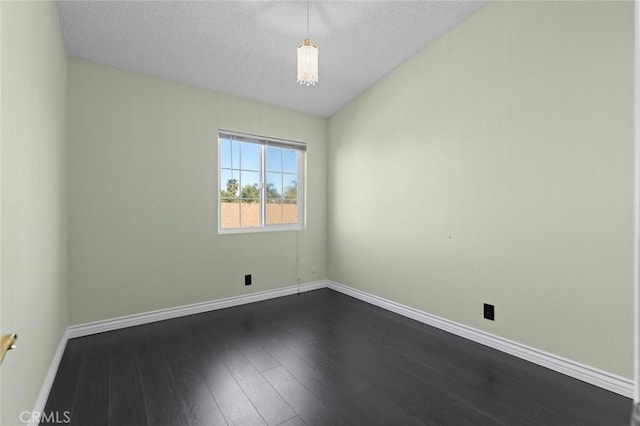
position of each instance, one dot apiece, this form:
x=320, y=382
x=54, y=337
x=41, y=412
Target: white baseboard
x=594, y=376
x=49, y=378
x=180, y=311
x=148, y=317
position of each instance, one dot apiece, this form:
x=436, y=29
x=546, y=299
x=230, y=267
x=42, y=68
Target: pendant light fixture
x=307, y=59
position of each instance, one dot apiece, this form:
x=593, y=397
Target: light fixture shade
x=307, y=63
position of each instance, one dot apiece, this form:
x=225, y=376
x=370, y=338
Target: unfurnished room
x=315, y=212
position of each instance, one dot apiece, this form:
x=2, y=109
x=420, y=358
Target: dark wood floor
x=318, y=358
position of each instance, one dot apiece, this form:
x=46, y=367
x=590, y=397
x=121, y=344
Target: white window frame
x=263, y=142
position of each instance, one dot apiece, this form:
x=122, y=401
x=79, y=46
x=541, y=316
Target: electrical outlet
x=247, y=279
x=489, y=312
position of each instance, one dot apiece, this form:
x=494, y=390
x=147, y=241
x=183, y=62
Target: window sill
x=270, y=228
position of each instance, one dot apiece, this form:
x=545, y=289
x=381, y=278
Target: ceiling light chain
x=307, y=59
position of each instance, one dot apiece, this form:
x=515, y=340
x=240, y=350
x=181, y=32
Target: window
x=261, y=183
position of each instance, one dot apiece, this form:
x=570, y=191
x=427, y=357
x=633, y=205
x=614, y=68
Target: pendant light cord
x=307, y=18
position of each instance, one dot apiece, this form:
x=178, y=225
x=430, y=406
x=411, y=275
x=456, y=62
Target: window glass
x=259, y=183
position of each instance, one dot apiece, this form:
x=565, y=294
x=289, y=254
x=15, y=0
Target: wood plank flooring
x=317, y=358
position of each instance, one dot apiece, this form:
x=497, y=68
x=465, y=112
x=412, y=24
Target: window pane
x=235, y=155
x=274, y=212
x=249, y=214
x=229, y=214
x=290, y=187
x=274, y=159
x=250, y=153
x=229, y=183
x=290, y=211
x=250, y=186
x=274, y=186
x=225, y=153
x=229, y=154
x=290, y=160
x=225, y=175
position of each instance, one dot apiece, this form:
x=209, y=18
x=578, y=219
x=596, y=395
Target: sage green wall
x=143, y=193
x=34, y=148
x=497, y=166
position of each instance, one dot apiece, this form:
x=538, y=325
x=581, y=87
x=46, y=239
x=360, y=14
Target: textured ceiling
x=248, y=48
